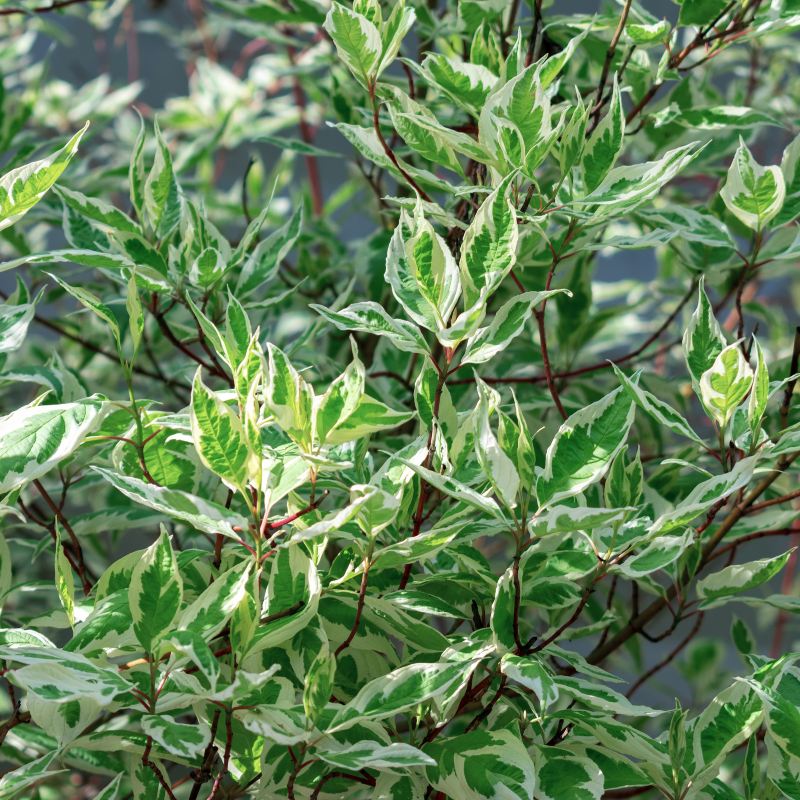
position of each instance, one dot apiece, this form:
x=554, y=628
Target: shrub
x=406, y=517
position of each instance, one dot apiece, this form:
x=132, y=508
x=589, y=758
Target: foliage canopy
x=292, y=514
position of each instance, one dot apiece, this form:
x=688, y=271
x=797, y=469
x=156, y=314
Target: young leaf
x=23, y=187
x=752, y=193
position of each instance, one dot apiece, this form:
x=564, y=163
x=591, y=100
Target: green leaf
x=107, y=216
x=739, y=578
x=176, y=738
x=605, y=144
x=700, y=12
x=400, y=21
x=481, y=764
x=156, y=592
x=584, y=447
x=600, y=697
x=23, y=187
x=397, y=755
x=752, y=193
x=289, y=397
x=263, y=263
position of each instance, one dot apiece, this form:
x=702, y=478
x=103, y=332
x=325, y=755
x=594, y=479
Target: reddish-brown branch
x=362, y=595
x=227, y=757
x=622, y=636
x=612, y=49
x=203, y=775
x=571, y=621
x=663, y=663
x=390, y=153
x=775, y=501
x=85, y=582
x=307, y=135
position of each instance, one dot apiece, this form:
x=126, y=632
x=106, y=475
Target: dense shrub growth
x=443, y=481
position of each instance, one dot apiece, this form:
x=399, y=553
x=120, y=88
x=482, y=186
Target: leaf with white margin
x=370, y=416
x=508, y=323
x=176, y=738
x=660, y=411
x=704, y=495
x=601, y=697
x=617, y=735
x=392, y=694
x=285, y=726
x=209, y=614
x=357, y=41
x=64, y=721
x=694, y=225
x=35, y=438
x=374, y=755
x=389, y=786
x=293, y=583
x=659, y=553
x=531, y=673
x=489, y=248
x=740, y=577
x=752, y=193
x=580, y=664
x=156, y=592
x=703, y=339
x=199, y=513
x=725, y=384
x=459, y=491
x=496, y=465
x=14, y=321
x=341, y=398
x=65, y=581
x=563, y=776
x=63, y=677
x=192, y=646
x=18, y=779
x=107, y=216
x=730, y=719
x=791, y=178
x=759, y=395
x=605, y=144
x=502, y=618
x=467, y=85
x=783, y=771
x=369, y=317
x=248, y=685
x=626, y=188
x=23, y=187
x=584, y=447
x=482, y=765
x=561, y=519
